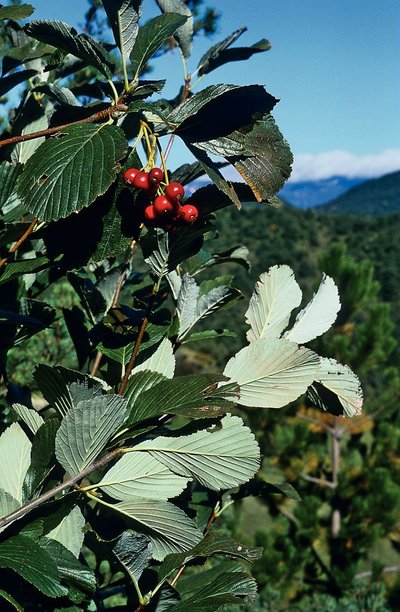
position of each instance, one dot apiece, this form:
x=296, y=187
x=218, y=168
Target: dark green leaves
x=69, y=171
x=12, y=80
x=259, y=152
x=62, y=36
x=123, y=16
x=220, y=54
x=151, y=36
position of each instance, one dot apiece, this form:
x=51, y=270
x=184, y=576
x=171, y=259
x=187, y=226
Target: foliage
x=113, y=469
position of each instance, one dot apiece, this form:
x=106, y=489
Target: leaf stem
x=16, y=246
x=60, y=488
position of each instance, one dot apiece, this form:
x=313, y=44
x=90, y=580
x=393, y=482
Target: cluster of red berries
x=165, y=207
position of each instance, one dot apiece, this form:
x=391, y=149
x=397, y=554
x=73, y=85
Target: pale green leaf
x=69, y=532
x=162, y=361
x=8, y=178
x=187, y=303
x=184, y=34
x=24, y=150
x=141, y=475
x=337, y=389
x=275, y=295
x=169, y=529
x=272, y=373
x=69, y=171
x=16, y=12
x=319, y=314
x=123, y=16
x=7, y=504
x=15, y=450
x=86, y=429
x=219, y=458
x=30, y=417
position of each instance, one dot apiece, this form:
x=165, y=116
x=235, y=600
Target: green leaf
x=161, y=361
x=42, y=457
x=271, y=373
x=210, y=334
x=221, y=458
x=116, y=233
x=230, y=588
x=7, y=504
x=192, y=396
x=15, y=449
x=68, y=172
x=238, y=54
x=184, y=115
x=63, y=95
x=214, y=543
x=237, y=254
x=206, y=61
x=16, y=12
x=62, y=36
x=187, y=304
x=141, y=475
x=133, y=551
x=138, y=383
x=69, y=532
x=19, y=267
x=275, y=295
x=30, y=417
x=169, y=529
x=319, y=314
x=184, y=34
x=70, y=569
x=53, y=387
x=123, y=16
x=30, y=561
x=337, y=389
x=151, y=36
x=24, y=150
x=259, y=153
x=8, y=83
x=86, y=429
x=8, y=178
x=163, y=251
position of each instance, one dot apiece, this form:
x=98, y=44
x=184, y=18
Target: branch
x=386, y=570
x=17, y=514
x=321, y=481
x=16, y=246
x=99, y=116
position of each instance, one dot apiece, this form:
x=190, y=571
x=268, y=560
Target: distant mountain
x=307, y=194
x=379, y=196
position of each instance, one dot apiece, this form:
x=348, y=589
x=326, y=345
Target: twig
x=386, y=570
x=99, y=116
x=13, y=516
x=320, y=481
x=16, y=246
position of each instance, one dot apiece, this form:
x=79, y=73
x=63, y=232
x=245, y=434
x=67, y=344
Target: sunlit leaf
x=15, y=449
x=272, y=373
x=275, y=295
x=337, y=389
x=221, y=458
x=123, y=16
x=162, y=361
x=184, y=34
x=69, y=532
x=319, y=314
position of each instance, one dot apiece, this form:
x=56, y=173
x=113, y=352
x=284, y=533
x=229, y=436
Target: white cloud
x=308, y=167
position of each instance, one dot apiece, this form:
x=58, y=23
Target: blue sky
x=334, y=65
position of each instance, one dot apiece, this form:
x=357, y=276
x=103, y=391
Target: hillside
x=379, y=196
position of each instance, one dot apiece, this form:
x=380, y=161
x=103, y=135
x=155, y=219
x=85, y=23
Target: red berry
x=174, y=191
x=149, y=213
x=142, y=181
x=189, y=213
x=156, y=175
x=130, y=174
x=164, y=206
